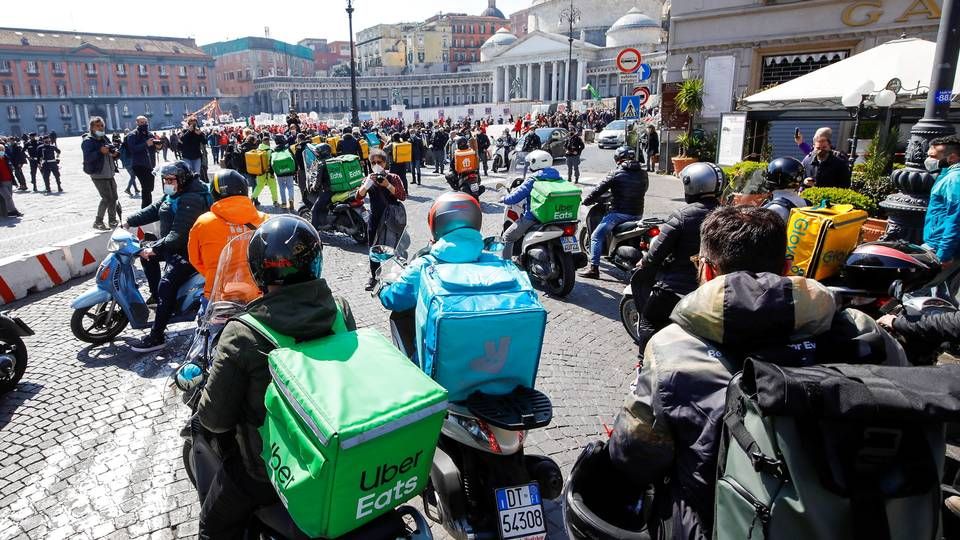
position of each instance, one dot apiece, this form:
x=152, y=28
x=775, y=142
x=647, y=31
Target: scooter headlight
x=113, y=246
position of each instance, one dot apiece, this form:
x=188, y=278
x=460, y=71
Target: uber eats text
x=382, y=477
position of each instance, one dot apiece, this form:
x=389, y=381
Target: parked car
x=553, y=140
x=612, y=134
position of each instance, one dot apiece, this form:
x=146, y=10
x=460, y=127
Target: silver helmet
x=701, y=179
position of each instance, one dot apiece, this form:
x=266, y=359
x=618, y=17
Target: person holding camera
x=139, y=145
x=98, y=156
x=191, y=145
x=385, y=190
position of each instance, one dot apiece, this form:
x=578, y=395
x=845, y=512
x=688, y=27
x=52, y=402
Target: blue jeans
x=194, y=165
x=599, y=236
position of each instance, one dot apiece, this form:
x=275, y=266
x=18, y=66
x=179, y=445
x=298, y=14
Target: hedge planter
x=680, y=162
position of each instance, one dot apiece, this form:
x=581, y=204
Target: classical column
x=543, y=81
x=554, y=84
x=529, y=81
x=506, y=83
x=116, y=116
x=564, y=69
x=109, y=120
x=496, y=82
x=581, y=78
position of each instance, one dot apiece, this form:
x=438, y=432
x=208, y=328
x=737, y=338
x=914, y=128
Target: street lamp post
x=354, y=114
x=855, y=102
x=907, y=208
x=571, y=15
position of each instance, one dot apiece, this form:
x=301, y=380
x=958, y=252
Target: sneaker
x=371, y=284
x=22, y=188
x=590, y=272
x=59, y=190
x=14, y=214
x=100, y=226
x=148, y=343
x=114, y=224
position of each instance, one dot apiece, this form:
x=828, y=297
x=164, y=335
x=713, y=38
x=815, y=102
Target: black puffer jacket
x=932, y=328
x=628, y=184
x=176, y=215
x=348, y=145
x=668, y=259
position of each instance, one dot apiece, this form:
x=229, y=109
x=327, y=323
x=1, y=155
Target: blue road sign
x=644, y=72
x=630, y=107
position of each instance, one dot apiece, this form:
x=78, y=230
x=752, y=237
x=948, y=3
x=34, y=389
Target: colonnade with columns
x=544, y=80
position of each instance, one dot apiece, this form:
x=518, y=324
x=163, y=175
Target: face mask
x=169, y=190
x=98, y=133
x=378, y=169
x=934, y=164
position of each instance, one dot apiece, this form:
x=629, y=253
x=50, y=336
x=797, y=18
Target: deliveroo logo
x=494, y=358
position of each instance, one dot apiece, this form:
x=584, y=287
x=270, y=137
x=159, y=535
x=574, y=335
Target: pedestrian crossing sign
x=629, y=107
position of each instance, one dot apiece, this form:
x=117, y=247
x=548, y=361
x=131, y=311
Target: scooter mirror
x=381, y=254
x=896, y=289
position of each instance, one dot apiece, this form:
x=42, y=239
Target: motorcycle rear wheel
x=562, y=285
x=630, y=316
x=100, y=330
x=585, y=240
x=12, y=343
x=497, y=162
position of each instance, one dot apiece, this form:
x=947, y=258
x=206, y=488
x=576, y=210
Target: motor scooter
x=627, y=242
x=103, y=311
x=13, y=353
x=466, y=182
x=346, y=214
x=501, y=156
x=482, y=484
x=549, y=252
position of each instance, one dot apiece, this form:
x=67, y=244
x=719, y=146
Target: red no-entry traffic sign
x=644, y=94
x=628, y=60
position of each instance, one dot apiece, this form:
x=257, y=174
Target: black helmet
x=596, y=508
x=179, y=169
x=784, y=173
x=873, y=266
x=462, y=143
x=324, y=151
x=228, y=183
x=624, y=153
x=279, y=140
x=285, y=250
x=701, y=179
x=452, y=211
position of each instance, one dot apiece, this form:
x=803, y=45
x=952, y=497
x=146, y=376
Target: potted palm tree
x=689, y=100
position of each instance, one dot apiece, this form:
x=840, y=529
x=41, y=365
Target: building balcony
x=66, y=116
x=91, y=73
x=143, y=74
x=59, y=73
x=164, y=75
x=201, y=75
x=121, y=74
x=40, y=117
x=14, y=118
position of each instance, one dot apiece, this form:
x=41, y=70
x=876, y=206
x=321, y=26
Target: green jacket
x=232, y=399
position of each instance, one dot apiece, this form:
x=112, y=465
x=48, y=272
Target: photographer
x=139, y=145
x=191, y=145
x=386, y=190
x=98, y=156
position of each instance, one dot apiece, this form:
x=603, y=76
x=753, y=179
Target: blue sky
x=215, y=21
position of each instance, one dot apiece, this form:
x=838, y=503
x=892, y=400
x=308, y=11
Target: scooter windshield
x=233, y=282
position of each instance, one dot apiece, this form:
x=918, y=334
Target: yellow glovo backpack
x=819, y=238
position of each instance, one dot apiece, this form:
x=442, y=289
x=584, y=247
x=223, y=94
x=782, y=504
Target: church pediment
x=542, y=44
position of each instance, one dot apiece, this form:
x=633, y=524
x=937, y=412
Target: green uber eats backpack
x=351, y=427
x=834, y=451
x=282, y=163
x=554, y=200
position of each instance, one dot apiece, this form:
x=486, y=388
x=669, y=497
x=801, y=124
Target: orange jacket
x=226, y=219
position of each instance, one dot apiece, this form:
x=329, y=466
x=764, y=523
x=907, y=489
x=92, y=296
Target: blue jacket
x=458, y=246
x=941, y=230
x=522, y=193
x=139, y=154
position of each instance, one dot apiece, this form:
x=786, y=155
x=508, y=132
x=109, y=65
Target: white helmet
x=538, y=159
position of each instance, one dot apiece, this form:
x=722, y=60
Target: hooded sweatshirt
x=239, y=373
x=227, y=219
x=671, y=422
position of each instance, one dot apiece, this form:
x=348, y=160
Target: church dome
x=496, y=44
x=634, y=28
x=502, y=37
x=633, y=19
x=492, y=10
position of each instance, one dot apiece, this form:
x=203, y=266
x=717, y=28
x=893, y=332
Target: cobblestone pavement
x=89, y=442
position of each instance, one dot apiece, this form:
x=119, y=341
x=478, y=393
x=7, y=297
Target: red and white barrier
x=41, y=269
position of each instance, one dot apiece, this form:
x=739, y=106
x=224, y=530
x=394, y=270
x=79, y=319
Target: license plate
x=570, y=244
x=521, y=513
